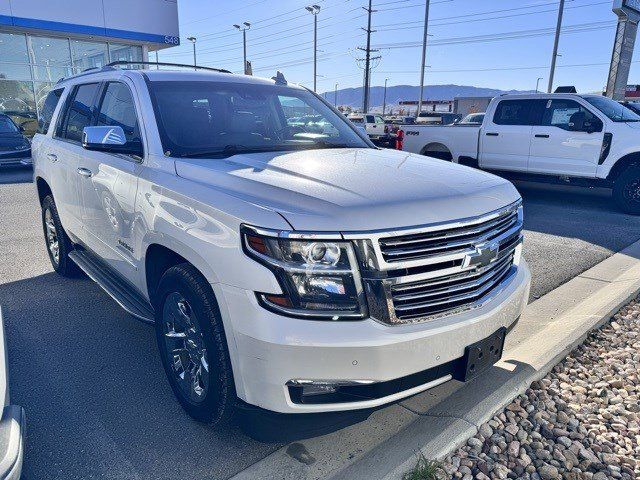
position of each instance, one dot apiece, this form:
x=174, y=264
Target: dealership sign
x=628, y=12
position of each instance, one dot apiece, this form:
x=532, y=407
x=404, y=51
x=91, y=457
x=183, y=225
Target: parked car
x=373, y=124
x=284, y=270
x=15, y=148
x=569, y=138
x=438, y=118
x=635, y=106
x=12, y=423
x=472, y=119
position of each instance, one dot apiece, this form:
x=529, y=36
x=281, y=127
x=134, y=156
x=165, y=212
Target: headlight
x=319, y=277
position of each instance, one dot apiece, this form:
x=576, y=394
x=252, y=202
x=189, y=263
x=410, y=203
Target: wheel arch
x=160, y=256
x=43, y=189
x=440, y=150
x=622, y=164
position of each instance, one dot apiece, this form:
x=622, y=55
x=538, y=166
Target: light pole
x=314, y=10
x=424, y=55
x=335, y=96
x=193, y=41
x=384, y=98
x=243, y=28
x=555, y=46
x=538, y=83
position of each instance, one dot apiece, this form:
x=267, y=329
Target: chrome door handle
x=53, y=157
x=84, y=172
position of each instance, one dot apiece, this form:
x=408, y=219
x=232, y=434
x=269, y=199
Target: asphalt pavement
x=89, y=376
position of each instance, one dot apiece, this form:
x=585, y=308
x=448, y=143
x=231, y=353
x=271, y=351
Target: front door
x=110, y=185
x=567, y=141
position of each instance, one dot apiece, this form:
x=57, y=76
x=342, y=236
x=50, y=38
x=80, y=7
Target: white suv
x=288, y=270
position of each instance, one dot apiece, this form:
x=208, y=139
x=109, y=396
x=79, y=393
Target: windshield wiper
x=325, y=144
x=227, y=151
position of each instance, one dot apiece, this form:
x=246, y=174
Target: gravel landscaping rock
x=580, y=422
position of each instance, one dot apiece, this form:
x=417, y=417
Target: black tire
x=214, y=398
x=61, y=262
x=626, y=190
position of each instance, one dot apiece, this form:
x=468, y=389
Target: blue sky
x=471, y=41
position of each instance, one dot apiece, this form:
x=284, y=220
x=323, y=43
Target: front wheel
x=192, y=345
x=626, y=190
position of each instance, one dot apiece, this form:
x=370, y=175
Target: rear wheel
x=58, y=243
x=626, y=190
x=192, y=345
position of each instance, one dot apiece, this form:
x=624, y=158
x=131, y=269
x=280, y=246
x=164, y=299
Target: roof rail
x=86, y=71
x=165, y=64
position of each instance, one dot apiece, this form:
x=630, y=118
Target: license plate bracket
x=481, y=355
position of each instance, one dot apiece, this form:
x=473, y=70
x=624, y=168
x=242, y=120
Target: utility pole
x=193, y=41
x=243, y=28
x=367, y=62
x=384, y=99
x=335, y=96
x=424, y=54
x=314, y=10
x=555, y=46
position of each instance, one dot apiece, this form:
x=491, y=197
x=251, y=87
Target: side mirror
x=592, y=126
x=109, y=139
x=21, y=128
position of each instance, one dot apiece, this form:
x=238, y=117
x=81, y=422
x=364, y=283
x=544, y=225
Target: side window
x=567, y=115
x=513, y=112
x=49, y=106
x=370, y=119
x=118, y=110
x=79, y=112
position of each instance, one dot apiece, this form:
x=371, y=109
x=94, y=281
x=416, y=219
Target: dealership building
x=42, y=41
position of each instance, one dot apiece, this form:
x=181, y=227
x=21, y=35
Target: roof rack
x=112, y=65
x=165, y=64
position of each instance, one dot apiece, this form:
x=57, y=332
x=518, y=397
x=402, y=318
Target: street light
x=538, y=82
x=314, y=10
x=193, y=41
x=335, y=96
x=243, y=28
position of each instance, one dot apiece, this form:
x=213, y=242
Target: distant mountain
x=397, y=93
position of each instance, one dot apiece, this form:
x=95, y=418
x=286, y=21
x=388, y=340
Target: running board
x=123, y=294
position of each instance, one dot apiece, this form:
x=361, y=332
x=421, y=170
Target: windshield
x=7, y=125
x=221, y=119
x=613, y=110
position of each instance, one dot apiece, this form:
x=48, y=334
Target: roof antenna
x=279, y=79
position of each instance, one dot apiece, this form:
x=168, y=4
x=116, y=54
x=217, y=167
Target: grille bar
x=449, y=241
x=476, y=280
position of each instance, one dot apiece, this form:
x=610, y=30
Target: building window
x=30, y=66
x=88, y=55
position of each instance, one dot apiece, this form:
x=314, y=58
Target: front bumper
x=269, y=350
x=22, y=157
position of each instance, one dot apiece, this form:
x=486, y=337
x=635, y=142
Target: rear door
x=567, y=140
x=110, y=187
x=505, y=137
x=65, y=152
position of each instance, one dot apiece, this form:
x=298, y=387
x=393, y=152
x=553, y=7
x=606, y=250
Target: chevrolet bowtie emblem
x=482, y=256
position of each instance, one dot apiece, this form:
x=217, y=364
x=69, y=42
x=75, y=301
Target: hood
x=8, y=141
x=353, y=189
x=634, y=125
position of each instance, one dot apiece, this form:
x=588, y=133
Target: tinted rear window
x=49, y=106
x=514, y=112
x=79, y=112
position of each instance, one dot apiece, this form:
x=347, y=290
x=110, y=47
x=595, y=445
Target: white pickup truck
x=284, y=270
x=580, y=139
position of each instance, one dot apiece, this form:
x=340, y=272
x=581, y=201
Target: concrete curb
x=385, y=446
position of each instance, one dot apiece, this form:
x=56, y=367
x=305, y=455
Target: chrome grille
x=442, y=294
x=448, y=240
x=431, y=271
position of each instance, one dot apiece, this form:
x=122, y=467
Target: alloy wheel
x=185, y=348
x=52, y=236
